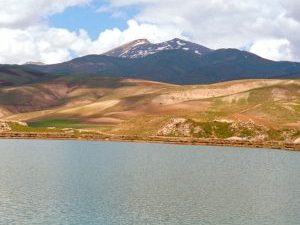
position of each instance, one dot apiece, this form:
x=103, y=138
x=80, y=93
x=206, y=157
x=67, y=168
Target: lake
x=89, y=183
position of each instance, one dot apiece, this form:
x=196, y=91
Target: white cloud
x=270, y=27
x=53, y=45
x=25, y=37
x=115, y=37
x=224, y=23
x=277, y=49
x=35, y=44
x=20, y=14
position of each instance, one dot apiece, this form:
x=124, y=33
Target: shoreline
x=280, y=145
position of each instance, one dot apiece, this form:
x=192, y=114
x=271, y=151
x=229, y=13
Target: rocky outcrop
x=176, y=127
x=225, y=129
x=4, y=127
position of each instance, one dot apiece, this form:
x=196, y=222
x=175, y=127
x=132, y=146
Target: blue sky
x=88, y=18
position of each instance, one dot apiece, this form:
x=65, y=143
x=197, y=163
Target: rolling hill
x=14, y=75
x=251, y=109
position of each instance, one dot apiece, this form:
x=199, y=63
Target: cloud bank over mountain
x=249, y=24
x=269, y=28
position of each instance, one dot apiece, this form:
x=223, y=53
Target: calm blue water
x=89, y=183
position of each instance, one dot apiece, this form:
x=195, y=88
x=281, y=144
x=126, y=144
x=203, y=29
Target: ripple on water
x=70, y=182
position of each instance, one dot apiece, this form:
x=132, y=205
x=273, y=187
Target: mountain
x=35, y=63
x=14, y=75
x=181, y=64
x=142, y=47
x=171, y=66
x=233, y=64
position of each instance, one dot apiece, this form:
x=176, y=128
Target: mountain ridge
x=167, y=62
x=178, y=67
x=143, y=47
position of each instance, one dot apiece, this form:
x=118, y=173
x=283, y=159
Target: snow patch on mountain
x=180, y=43
x=142, y=47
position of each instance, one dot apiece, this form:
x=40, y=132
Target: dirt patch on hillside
x=90, y=109
x=294, y=125
x=262, y=121
x=190, y=106
x=280, y=94
x=122, y=115
x=198, y=93
x=4, y=112
x=146, y=82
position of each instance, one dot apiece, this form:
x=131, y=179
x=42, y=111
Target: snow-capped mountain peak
x=139, y=42
x=142, y=47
